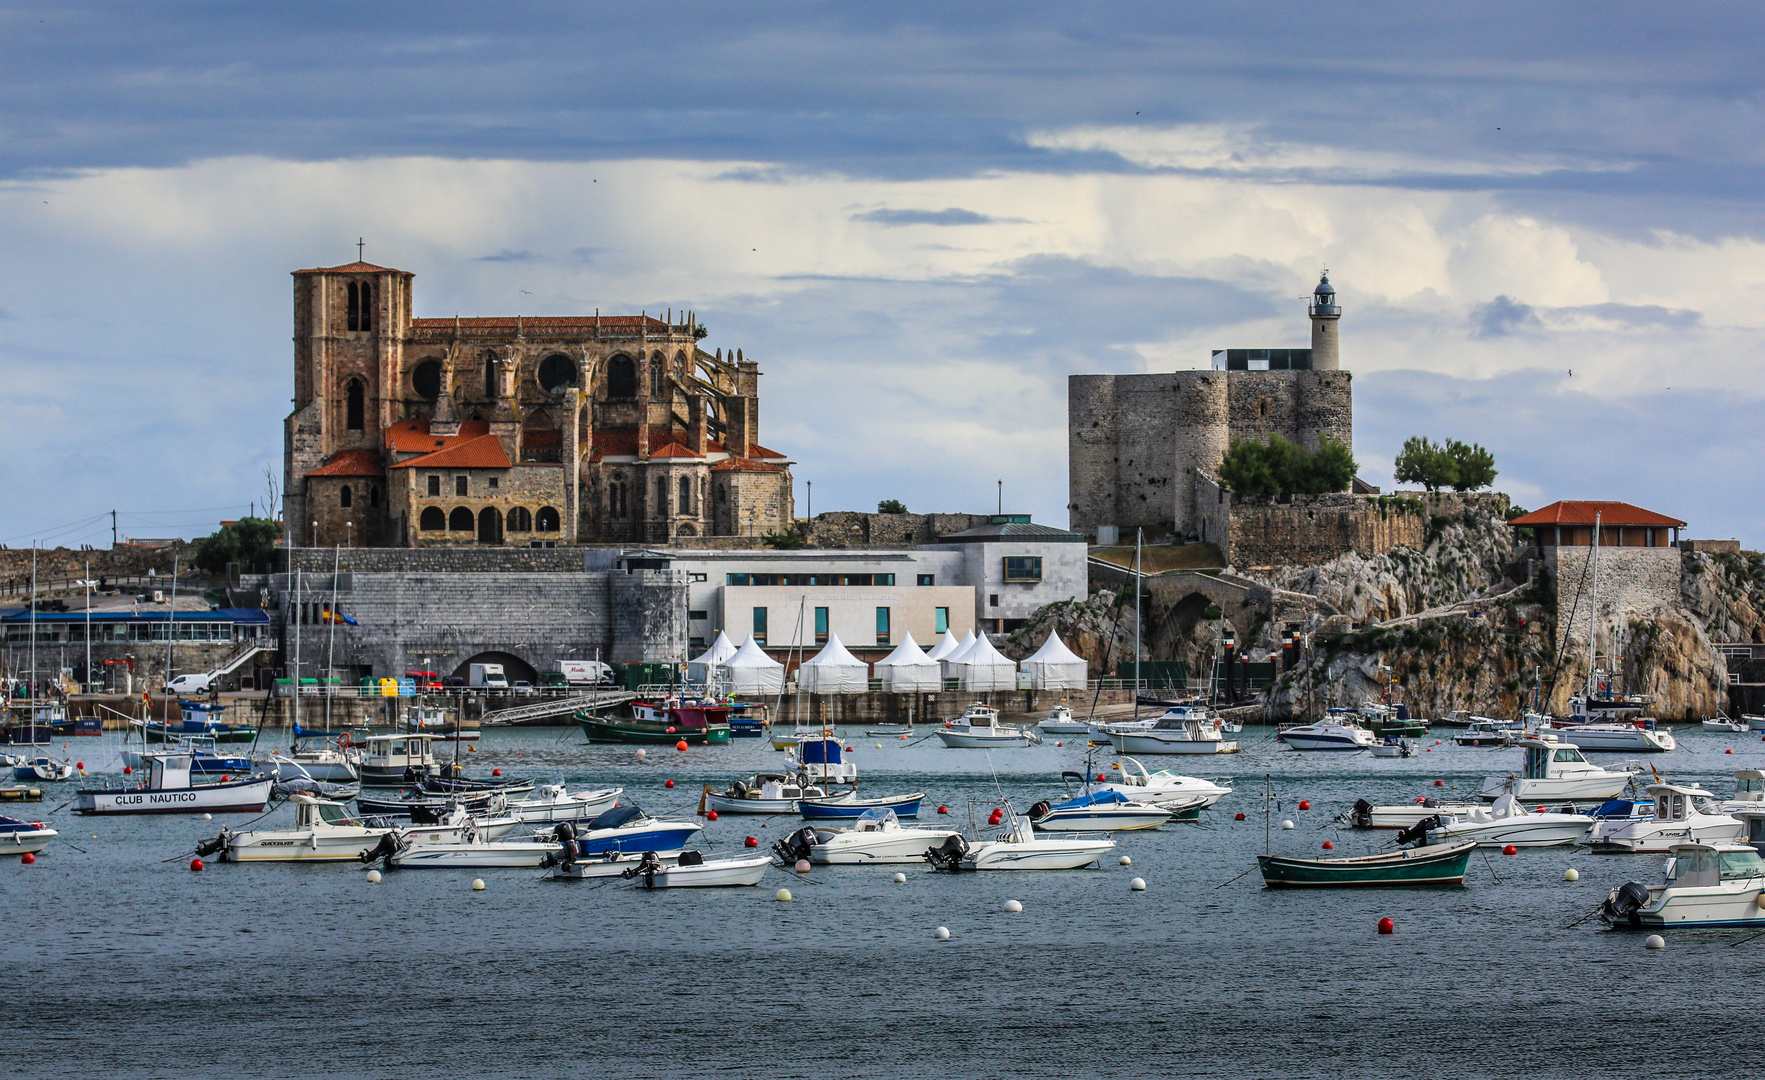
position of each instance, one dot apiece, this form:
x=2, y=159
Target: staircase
x=557, y=707
x=247, y=649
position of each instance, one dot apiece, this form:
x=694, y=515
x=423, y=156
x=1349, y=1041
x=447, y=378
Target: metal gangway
x=599, y=699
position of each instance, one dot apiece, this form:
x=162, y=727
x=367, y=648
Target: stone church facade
x=410, y=432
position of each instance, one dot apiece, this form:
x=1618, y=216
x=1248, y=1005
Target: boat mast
x=331, y=642
x=33, y=712
x=295, y=682
x=1138, y=536
x=171, y=627
x=1593, y=611
x=88, y=679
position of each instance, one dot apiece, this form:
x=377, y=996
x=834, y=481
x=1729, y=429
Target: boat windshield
x=334, y=814
x=1741, y=864
x=875, y=819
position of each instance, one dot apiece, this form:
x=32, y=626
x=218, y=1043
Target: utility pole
x=113, y=528
x=1001, y=498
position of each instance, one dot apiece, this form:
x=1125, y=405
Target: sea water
x=118, y=961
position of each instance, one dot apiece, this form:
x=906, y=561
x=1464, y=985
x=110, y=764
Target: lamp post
x=349, y=534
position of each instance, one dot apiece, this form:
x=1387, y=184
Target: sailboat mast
x=331, y=641
x=171, y=630
x=1593, y=611
x=33, y=629
x=1139, y=534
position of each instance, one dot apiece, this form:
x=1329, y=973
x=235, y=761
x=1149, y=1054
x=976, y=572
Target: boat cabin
x=821, y=761
x=167, y=772
x=310, y=812
x=1550, y=759
x=1675, y=803
x=400, y=751
x=1749, y=786
x=878, y=819
x=1706, y=866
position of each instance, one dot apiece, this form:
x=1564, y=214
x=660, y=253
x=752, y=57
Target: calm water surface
x=120, y=963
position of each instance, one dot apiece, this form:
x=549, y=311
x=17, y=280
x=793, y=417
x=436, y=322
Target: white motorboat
x=1364, y=815
x=1753, y=721
x=326, y=831
x=1705, y=885
x=694, y=871
x=876, y=837
x=1683, y=815
x=42, y=767
x=626, y=828
x=1393, y=747
x=1018, y=848
x=609, y=864
x=1163, y=786
x=553, y=803
x=1749, y=791
x=1337, y=735
x=1723, y=723
x=464, y=855
x=762, y=793
x=979, y=728
x=1182, y=729
x=168, y=789
x=1482, y=731
x=326, y=764
x=1060, y=722
x=1642, y=737
x=25, y=837
x=1553, y=771
x=1509, y=823
x=1098, y=811
x=394, y=761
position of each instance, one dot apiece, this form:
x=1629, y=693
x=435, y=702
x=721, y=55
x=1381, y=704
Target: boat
x=1162, y=786
x=1705, y=885
x=802, y=733
x=1391, y=746
x=330, y=764
x=1753, y=721
x=1641, y=735
x=42, y=767
x=1328, y=734
x=693, y=871
x=20, y=793
x=325, y=831
x=848, y=807
x=1749, y=791
x=1723, y=723
x=1060, y=722
x=1364, y=815
x=451, y=780
x=1430, y=864
x=747, y=721
x=821, y=762
x=323, y=789
x=1683, y=815
x=32, y=723
x=1482, y=731
x=1506, y=823
x=168, y=789
x=979, y=728
x=762, y=793
x=1388, y=719
x=77, y=725
x=693, y=721
x=1554, y=771
x=435, y=720
x=395, y=761
x=1099, y=811
x=1017, y=848
x=553, y=803
x=628, y=829
x=890, y=731
x=205, y=757
x=24, y=837
x=1183, y=729
x=472, y=851
x=875, y=837
x=199, y=718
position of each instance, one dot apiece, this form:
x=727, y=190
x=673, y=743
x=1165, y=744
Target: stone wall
x=460, y=560
x=58, y=567
x=1634, y=584
x=1259, y=532
x=855, y=529
x=648, y=616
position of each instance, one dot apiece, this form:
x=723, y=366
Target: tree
x=1278, y=467
x=1474, y=466
x=891, y=506
x=1332, y=468
x=1421, y=462
x=250, y=542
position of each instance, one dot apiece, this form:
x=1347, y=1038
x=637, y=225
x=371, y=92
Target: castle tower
x=1324, y=313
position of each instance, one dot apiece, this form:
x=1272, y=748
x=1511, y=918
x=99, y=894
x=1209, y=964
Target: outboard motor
x=647, y=867
x=1040, y=810
x=1621, y=905
x=739, y=789
x=795, y=847
x=1418, y=833
x=385, y=849
x=565, y=834
x=205, y=848
x=1362, y=814
x=948, y=856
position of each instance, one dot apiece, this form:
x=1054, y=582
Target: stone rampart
x=1256, y=532
x=1633, y=584
x=850, y=529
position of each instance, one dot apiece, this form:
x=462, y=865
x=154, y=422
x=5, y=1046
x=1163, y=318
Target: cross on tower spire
x=358, y=249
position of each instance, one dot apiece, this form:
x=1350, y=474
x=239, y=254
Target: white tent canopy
x=1056, y=667
x=751, y=671
x=951, y=659
x=909, y=670
x=983, y=667
x=700, y=668
x=945, y=646
x=834, y=670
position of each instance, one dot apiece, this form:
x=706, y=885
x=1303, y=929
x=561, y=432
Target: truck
x=585, y=672
x=488, y=677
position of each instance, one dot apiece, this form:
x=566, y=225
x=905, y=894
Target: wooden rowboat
x=1432, y=864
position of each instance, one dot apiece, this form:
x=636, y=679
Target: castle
x=1142, y=448
x=522, y=431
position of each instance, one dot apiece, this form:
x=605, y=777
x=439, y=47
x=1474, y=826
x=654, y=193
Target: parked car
x=553, y=680
x=521, y=686
x=453, y=682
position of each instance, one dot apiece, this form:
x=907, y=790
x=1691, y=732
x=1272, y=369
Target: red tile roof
x=483, y=452
x=1583, y=512
x=762, y=452
x=675, y=450
x=499, y=325
x=355, y=268
x=542, y=437
x=352, y=463
x=413, y=437
x=740, y=464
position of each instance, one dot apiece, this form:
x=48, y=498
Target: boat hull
x=240, y=797
x=712, y=873
x=612, y=730
x=1553, y=789
x=25, y=841
x=957, y=740
x=1621, y=738
x=1524, y=831
x=1434, y=865
x=505, y=855
x=1149, y=742
x=1735, y=904
x=1108, y=819
x=729, y=804
x=1036, y=854
x=906, y=806
x=879, y=848
x=1645, y=837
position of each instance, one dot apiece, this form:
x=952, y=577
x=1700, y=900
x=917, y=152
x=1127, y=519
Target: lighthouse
x=1324, y=313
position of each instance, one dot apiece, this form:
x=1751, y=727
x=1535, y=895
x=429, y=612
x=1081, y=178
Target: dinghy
x=876, y=837
x=693, y=871
x=24, y=837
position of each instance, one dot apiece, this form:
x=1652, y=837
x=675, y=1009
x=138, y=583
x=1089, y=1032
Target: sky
x=1543, y=222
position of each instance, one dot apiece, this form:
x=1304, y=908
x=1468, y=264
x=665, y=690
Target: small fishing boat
x=1017, y=848
x=452, y=781
x=1364, y=815
x=890, y=731
x=435, y=720
x=694, y=721
x=168, y=789
x=1163, y=786
x=553, y=803
x=1683, y=815
x=205, y=757
x=978, y=728
x=1642, y=736
x=1388, y=719
x=42, y=768
x=24, y=837
x=1393, y=747
x=1749, y=791
x=325, y=831
x=198, y=718
x=1098, y=811
x=848, y=807
x=329, y=764
x=322, y=789
x=1705, y=885
x=1060, y=722
x=762, y=793
x=1553, y=771
x=20, y=793
x=29, y=724
x=693, y=870
x=1482, y=731
x=1430, y=864
x=628, y=829
x=1723, y=723
x=876, y=837
x=1339, y=735
x=395, y=761
x=1753, y=721
x=1503, y=824
x=1182, y=729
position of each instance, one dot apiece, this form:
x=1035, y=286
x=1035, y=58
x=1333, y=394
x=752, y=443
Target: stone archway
x=515, y=669
x=490, y=526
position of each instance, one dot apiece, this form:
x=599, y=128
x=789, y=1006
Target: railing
x=21, y=586
x=247, y=649
x=544, y=709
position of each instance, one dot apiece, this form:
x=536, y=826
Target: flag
x=337, y=615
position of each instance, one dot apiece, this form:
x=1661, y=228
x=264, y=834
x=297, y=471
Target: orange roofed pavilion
x=1570, y=523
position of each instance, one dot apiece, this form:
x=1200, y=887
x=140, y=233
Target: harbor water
x=118, y=961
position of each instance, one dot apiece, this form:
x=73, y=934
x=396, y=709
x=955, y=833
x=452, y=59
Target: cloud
x=890, y=218
x=506, y=256
x=1501, y=317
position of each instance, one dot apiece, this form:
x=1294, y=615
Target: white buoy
x=477, y=884
x=1761, y=900
x=802, y=866
x=942, y=933
x=1655, y=941
x=783, y=896
x=900, y=879
x=1571, y=874
x=1286, y=824
x=373, y=877
x=1137, y=885
x=208, y=817
x=1125, y=861
x=879, y=746
x=642, y=753
x=1012, y=907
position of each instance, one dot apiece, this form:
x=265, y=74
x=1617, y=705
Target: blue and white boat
x=1328, y=735
x=205, y=759
x=849, y=808
x=1097, y=811
x=627, y=828
x=42, y=767
x=24, y=837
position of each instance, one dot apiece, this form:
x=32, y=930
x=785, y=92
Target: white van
x=188, y=684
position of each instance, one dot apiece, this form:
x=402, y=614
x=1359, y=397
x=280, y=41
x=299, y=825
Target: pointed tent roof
x=834, y=654
x=1054, y=651
x=945, y=646
x=960, y=654
x=750, y=655
x=721, y=649
x=906, y=654
x=982, y=654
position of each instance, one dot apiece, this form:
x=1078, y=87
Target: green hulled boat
x=1431, y=864
x=691, y=722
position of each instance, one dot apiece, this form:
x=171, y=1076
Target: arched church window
x=657, y=376
x=355, y=404
x=426, y=379
x=546, y=520
x=686, y=496
x=461, y=520
x=433, y=520
x=556, y=372
x=367, y=313
x=520, y=520
x=355, y=308
x=616, y=497
x=1262, y=407
x=343, y=498
x=490, y=375
x=374, y=495
x=662, y=496
x=621, y=377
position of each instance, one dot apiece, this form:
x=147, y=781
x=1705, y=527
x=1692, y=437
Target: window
x=657, y=377
x=374, y=495
x=992, y=599
x=616, y=497
x=493, y=483
x=546, y=520
x=461, y=520
x=435, y=485
x=556, y=372
x=426, y=379
x=489, y=375
x=941, y=620
x=343, y=497
x=367, y=314
x=662, y=496
x=355, y=310
x=928, y=579
x=520, y=520
x=760, y=625
x=460, y=486
x=882, y=626
x=433, y=520
x=821, y=626
x=685, y=505
x=701, y=616
x=354, y=396
x=621, y=377
x=1026, y=568
x=810, y=579
x=697, y=577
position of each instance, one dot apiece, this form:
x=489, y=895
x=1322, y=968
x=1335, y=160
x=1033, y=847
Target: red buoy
x=496, y=772
x=80, y=765
x=667, y=783
x=1510, y=850
x=127, y=770
x=750, y=842
x=1239, y=816
x=710, y=815
x=681, y=746
x=943, y=809
x=670, y=729
x=1100, y=778
x=196, y=864
x=1440, y=783
x=1730, y=750
x=848, y=749
x=1421, y=800
x=1386, y=926
x=27, y=858
x=226, y=779
x=1328, y=846
x=1304, y=804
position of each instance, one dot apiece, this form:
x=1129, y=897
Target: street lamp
x=348, y=533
